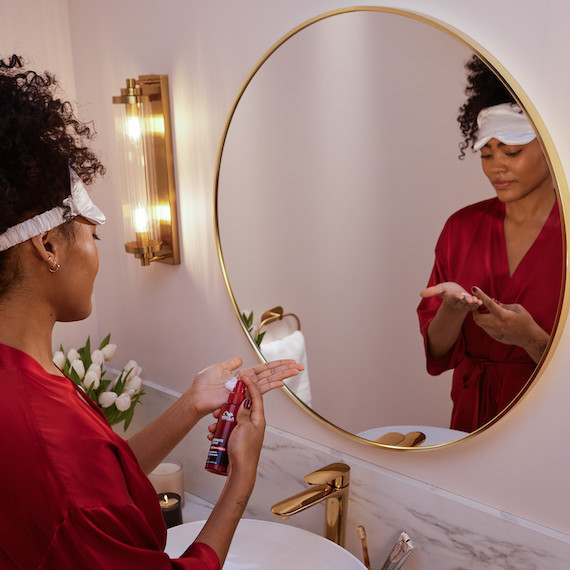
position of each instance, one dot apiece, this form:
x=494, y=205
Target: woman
x=492, y=297
x=76, y=494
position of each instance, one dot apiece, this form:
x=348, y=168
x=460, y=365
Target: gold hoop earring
x=55, y=267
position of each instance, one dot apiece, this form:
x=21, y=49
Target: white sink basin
x=269, y=545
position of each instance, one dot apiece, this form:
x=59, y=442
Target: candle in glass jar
x=168, y=501
x=171, y=507
x=168, y=476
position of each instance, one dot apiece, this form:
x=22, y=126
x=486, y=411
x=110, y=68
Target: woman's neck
x=534, y=208
x=23, y=326
x=524, y=220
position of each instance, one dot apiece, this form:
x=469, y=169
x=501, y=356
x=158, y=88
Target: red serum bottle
x=217, y=461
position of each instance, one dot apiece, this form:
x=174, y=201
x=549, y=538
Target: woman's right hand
x=455, y=296
x=246, y=439
x=244, y=447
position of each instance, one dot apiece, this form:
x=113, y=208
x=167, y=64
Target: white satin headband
x=505, y=122
x=77, y=203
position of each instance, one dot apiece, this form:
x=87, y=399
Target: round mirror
x=338, y=168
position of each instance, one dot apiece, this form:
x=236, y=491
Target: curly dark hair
x=484, y=89
x=39, y=138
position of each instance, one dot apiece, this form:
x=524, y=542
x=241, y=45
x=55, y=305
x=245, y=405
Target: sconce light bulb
x=141, y=219
x=133, y=128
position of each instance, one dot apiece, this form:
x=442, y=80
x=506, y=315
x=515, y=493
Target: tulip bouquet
x=117, y=397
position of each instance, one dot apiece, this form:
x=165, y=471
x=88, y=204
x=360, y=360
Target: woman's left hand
x=208, y=391
x=511, y=324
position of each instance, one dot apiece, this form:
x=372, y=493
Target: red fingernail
x=247, y=403
x=474, y=289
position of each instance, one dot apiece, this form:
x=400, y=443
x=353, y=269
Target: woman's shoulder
x=482, y=208
x=474, y=215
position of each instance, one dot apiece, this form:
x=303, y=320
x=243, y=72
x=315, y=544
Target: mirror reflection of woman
x=492, y=297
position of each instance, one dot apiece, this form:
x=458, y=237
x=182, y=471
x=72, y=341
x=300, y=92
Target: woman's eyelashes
x=505, y=152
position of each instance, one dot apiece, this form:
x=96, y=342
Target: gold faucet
x=330, y=484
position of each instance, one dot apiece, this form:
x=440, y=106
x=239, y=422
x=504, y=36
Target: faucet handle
x=336, y=474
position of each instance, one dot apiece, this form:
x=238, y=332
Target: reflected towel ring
x=276, y=314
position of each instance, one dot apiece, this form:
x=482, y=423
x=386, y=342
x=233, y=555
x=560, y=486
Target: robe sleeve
x=429, y=306
x=117, y=538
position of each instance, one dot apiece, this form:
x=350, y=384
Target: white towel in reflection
x=291, y=346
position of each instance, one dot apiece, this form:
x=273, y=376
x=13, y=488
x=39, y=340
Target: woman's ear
x=43, y=247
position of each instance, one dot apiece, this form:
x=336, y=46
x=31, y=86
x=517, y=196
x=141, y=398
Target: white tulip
x=134, y=369
x=92, y=379
x=109, y=351
x=97, y=357
x=59, y=359
x=107, y=399
x=123, y=402
x=72, y=355
x=96, y=369
x=78, y=366
x=134, y=384
x=129, y=392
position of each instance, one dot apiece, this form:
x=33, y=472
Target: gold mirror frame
x=547, y=147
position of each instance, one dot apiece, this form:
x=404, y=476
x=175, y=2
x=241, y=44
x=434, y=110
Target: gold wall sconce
x=144, y=136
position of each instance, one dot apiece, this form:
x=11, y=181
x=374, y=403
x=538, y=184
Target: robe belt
x=473, y=367
x=477, y=389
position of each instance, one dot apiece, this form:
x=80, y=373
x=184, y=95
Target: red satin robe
x=471, y=251
x=73, y=495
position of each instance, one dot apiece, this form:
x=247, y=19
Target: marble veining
x=449, y=532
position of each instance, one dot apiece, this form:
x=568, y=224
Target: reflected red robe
x=73, y=495
x=472, y=251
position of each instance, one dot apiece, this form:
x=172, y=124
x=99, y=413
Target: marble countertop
x=195, y=508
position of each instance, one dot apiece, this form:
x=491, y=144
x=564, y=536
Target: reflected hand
x=511, y=324
x=454, y=296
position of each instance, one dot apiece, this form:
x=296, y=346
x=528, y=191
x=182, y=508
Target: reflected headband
x=77, y=203
x=505, y=122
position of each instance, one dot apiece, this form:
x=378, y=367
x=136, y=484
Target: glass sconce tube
x=142, y=121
